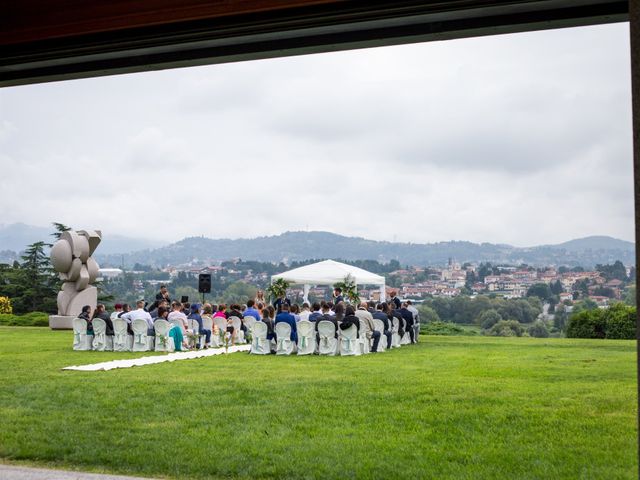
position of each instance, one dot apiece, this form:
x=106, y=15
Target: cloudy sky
x=521, y=139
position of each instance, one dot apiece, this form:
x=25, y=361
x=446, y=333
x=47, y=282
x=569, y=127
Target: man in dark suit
x=337, y=296
x=408, y=317
x=163, y=295
x=285, y=316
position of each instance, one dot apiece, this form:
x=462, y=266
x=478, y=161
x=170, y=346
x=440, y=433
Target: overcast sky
x=522, y=139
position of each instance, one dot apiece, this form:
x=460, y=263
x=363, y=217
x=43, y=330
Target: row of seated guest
x=341, y=315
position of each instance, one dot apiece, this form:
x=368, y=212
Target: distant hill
x=16, y=236
x=292, y=246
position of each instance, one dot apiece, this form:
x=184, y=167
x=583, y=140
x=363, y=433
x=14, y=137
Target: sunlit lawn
x=450, y=407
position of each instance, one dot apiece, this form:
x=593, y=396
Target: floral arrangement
x=193, y=339
x=278, y=289
x=349, y=289
x=5, y=305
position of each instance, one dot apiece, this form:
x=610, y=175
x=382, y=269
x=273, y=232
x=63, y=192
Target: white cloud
x=522, y=139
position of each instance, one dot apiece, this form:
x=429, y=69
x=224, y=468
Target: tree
x=560, y=318
x=630, y=295
x=488, y=319
x=60, y=227
x=540, y=290
x=428, y=314
x=506, y=328
x=556, y=287
x=239, y=292
x=609, y=272
x=538, y=330
x=35, y=281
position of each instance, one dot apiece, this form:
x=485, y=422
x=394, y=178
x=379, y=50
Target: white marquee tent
x=329, y=272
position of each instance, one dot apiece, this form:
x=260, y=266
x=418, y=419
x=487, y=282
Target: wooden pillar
x=634, y=19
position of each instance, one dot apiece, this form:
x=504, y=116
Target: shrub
x=489, y=318
x=33, y=319
x=538, y=330
x=506, y=328
x=587, y=324
x=445, y=328
x=621, y=322
x=5, y=305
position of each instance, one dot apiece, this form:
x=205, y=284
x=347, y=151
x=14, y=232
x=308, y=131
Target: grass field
x=448, y=408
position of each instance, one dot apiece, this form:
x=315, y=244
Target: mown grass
x=450, y=407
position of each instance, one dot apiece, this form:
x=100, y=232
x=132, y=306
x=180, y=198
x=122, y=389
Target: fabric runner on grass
x=137, y=362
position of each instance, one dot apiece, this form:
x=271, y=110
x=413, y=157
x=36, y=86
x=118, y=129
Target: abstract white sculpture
x=71, y=258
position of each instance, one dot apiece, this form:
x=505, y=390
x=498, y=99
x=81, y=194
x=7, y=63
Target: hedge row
x=615, y=322
x=33, y=319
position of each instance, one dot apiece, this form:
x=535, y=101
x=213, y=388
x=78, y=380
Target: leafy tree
x=587, y=324
x=540, y=290
x=538, y=329
x=505, y=328
x=621, y=321
x=239, y=292
x=617, y=271
x=59, y=227
x=560, y=318
x=556, y=287
x=488, y=319
x=35, y=281
x=428, y=314
x=630, y=295
x=604, y=292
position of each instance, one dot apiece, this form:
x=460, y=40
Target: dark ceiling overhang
x=43, y=41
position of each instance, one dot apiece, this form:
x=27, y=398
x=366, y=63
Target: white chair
x=328, y=341
x=283, y=333
x=363, y=341
x=207, y=324
x=81, y=341
x=195, y=327
x=237, y=331
x=221, y=323
x=249, y=322
x=141, y=342
x=349, y=341
x=395, y=336
x=122, y=341
x=259, y=343
x=101, y=341
x=406, y=339
x=306, y=337
x=164, y=343
x=378, y=325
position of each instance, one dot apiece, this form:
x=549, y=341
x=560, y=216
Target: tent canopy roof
x=329, y=272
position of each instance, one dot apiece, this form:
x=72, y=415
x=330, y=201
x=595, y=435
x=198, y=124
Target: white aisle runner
x=170, y=357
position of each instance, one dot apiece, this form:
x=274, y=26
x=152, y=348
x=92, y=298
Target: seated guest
x=85, y=314
x=221, y=311
x=268, y=318
x=154, y=311
x=295, y=311
x=383, y=317
x=408, y=318
x=140, y=312
x=305, y=312
x=207, y=312
x=178, y=314
x=117, y=312
x=102, y=314
x=349, y=318
x=234, y=311
x=195, y=315
x=331, y=308
x=286, y=317
x=366, y=323
x=260, y=307
x=250, y=311
x=317, y=313
x=393, y=313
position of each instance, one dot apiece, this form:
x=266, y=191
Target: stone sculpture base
x=61, y=322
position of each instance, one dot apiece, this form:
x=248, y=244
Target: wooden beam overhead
x=54, y=40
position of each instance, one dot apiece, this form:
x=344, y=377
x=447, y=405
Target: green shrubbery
x=445, y=328
x=33, y=319
x=506, y=328
x=538, y=329
x=616, y=322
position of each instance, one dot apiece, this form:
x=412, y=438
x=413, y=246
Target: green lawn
x=450, y=407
